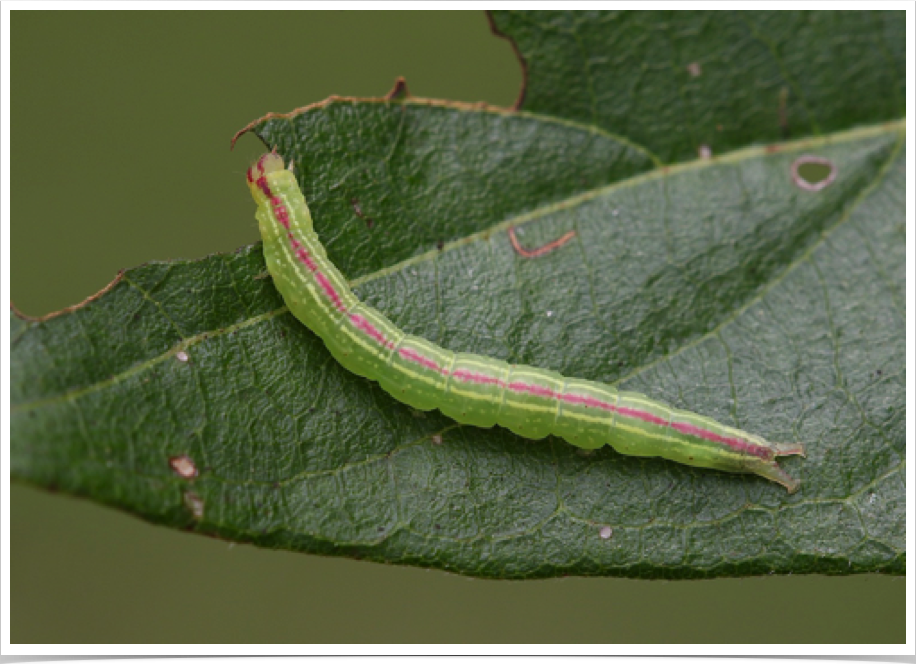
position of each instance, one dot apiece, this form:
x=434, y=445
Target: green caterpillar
x=473, y=389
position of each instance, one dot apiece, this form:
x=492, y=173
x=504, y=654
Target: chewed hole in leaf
x=813, y=173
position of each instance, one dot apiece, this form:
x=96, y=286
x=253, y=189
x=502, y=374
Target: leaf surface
x=717, y=285
x=673, y=81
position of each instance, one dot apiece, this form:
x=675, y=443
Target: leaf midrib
x=571, y=202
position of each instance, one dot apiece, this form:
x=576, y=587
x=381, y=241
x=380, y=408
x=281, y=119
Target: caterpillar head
x=257, y=175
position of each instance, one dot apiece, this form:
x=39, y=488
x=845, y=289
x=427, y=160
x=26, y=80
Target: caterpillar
x=473, y=389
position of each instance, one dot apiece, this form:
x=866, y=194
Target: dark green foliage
x=717, y=286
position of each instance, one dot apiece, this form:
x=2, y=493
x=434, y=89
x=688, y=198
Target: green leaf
x=673, y=81
x=717, y=285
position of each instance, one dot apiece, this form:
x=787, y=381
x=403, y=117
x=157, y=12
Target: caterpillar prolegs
x=474, y=389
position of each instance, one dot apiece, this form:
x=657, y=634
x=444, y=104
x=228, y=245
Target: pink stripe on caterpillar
x=547, y=393
x=641, y=415
x=734, y=443
x=682, y=427
x=367, y=327
x=588, y=401
x=282, y=215
x=536, y=390
x=422, y=360
x=306, y=260
x=328, y=289
x=481, y=379
x=264, y=187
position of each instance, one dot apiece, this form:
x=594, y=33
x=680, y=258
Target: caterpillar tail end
x=790, y=449
x=771, y=470
x=777, y=474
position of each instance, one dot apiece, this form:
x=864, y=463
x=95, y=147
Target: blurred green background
x=111, y=113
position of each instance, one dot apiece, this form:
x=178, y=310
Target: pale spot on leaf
x=194, y=503
x=183, y=466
